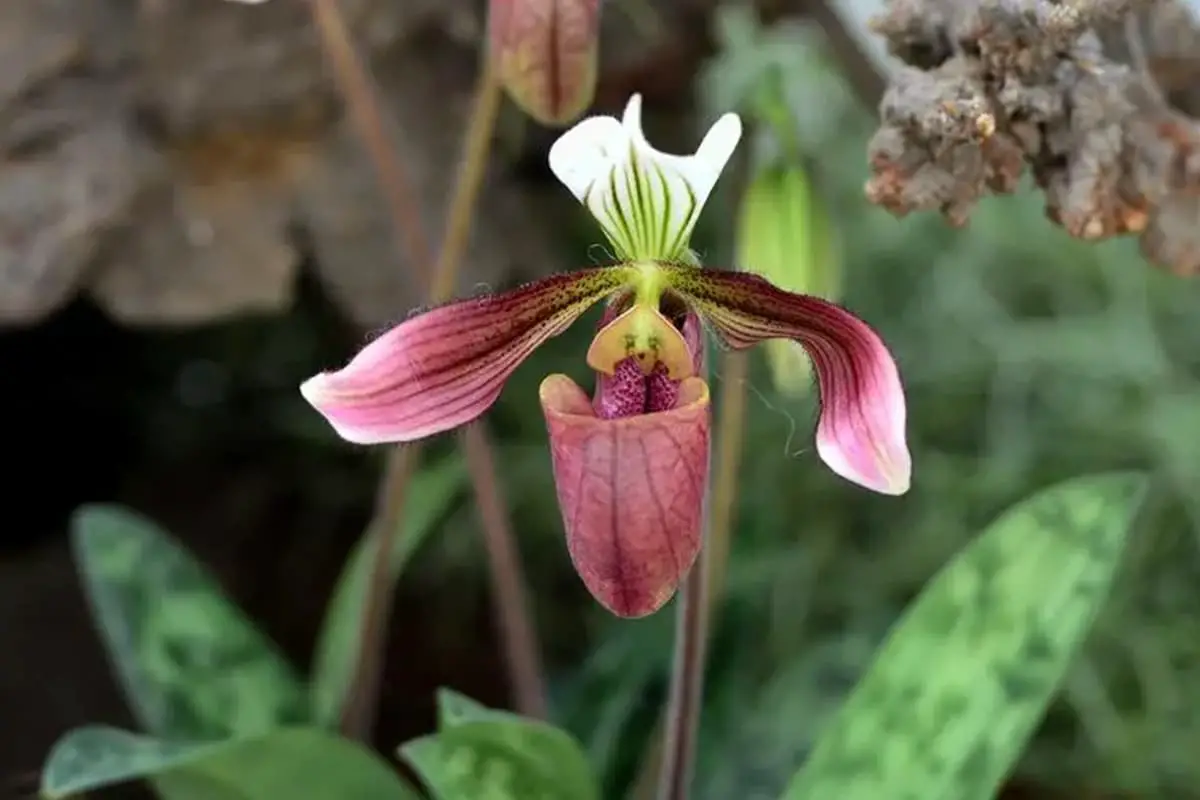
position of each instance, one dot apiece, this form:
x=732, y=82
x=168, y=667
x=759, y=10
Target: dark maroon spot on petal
x=629, y=391
x=623, y=394
x=661, y=391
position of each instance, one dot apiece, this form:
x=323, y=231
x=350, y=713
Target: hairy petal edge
x=861, y=432
x=445, y=367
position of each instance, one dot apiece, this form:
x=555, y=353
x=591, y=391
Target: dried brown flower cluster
x=1093, y=96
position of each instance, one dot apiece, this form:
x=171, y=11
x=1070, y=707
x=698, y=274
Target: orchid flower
x=630, y=462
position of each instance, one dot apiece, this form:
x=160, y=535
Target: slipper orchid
x=630, y=462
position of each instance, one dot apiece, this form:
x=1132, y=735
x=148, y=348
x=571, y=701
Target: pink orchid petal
x=861, y=433
x=445, y=367
x=631, y=492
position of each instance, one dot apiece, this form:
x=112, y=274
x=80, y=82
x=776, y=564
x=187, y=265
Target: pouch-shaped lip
x=631, y=492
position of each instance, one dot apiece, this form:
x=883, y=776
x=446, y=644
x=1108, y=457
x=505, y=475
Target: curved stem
x=358, y=711
x=682, y=723
x=510, y=598
x=358, y=92
x=472, y=169
x=517, y=630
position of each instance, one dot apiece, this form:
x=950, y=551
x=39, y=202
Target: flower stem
x=358, y=711
x=358, y=92
x=730, y=429
x=511, y=599
x=472, y=169
x=685, y=698
x=510, y=596
x=701, y=594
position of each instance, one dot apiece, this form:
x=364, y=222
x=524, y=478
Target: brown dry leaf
x=239, y=94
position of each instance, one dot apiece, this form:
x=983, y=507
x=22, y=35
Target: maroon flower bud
x=545, y=52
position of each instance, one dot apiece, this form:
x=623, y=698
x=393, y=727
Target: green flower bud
x=785, y=235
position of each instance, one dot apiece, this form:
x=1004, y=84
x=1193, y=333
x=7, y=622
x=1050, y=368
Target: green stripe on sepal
x=957, y=690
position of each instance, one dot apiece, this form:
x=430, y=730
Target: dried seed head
x=545, y=52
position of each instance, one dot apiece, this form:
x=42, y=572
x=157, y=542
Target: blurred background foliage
x=1028, y=358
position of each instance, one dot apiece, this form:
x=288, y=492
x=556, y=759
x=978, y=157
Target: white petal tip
x=720, y=141
x=892, y=485
x=586, y=153
x=313, y=390
x=730, y=124
x=890, y=475
x=316, y=391
x=633, y=112
x=896, y=486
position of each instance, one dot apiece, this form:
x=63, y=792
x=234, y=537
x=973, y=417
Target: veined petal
x=861, y=433
x=631, y=492
x=545, y=52
x=443, y=368
x=646, y=201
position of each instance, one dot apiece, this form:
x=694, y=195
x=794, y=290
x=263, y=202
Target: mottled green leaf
x=428, y=497
x=94, y=757
x=292, y=763
x=500, y=756
x=455, y=709
x=191, y=664
x=958, y=688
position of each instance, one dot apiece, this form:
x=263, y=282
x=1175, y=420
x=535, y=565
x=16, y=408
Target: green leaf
x=429, y=496
x=191, y=664
x=958, y=688
x=455, y=709
x=293, y=763
x=481, y=754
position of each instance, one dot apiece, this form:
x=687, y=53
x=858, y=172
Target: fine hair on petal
x=793, y=427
